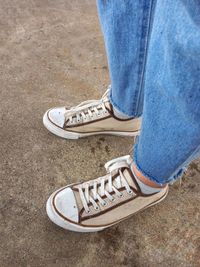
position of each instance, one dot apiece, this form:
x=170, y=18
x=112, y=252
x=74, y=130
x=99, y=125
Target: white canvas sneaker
x=100, y=203
x=91, y=117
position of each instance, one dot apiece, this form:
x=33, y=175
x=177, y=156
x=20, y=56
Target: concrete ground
x=52, y=53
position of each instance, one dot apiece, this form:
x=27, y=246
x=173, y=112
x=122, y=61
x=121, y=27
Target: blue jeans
x=153, y=50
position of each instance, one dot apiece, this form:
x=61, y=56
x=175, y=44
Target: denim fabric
x=153, y=50
x=125, y=26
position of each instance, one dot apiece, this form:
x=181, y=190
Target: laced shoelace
x=95, y=190
x=86, y=110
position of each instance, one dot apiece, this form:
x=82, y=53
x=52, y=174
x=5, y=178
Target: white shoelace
x=95, y=190
x=86, y=110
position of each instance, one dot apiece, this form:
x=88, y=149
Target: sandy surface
x=52, y=53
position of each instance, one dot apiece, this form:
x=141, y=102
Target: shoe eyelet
x=121, y=195
x=130, y=192
x=113, y=199
x=105, y=204
x=89, y=211
x=96, y=208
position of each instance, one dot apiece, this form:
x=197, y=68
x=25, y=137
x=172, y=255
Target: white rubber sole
x=58, y=220
x=72, y=135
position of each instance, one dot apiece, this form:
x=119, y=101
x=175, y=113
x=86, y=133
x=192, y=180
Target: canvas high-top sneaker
x=91, y=117
x=100, y=203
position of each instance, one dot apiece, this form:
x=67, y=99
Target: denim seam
x=144, y=40
x=143, y=55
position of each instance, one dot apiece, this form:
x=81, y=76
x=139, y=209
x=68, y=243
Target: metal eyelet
x=113, y=199
x=130, y=192
x=89, y=211
x=105, y=204
x=96, y=208
x=121, y=195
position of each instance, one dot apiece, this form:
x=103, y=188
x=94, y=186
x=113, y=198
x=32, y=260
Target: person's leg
x=170, y=136
x=126, y=29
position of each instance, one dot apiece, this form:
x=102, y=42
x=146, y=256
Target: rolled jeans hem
x=178, y=174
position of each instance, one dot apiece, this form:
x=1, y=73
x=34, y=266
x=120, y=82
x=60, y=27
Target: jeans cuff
x=117, y=108
x=175, y=176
